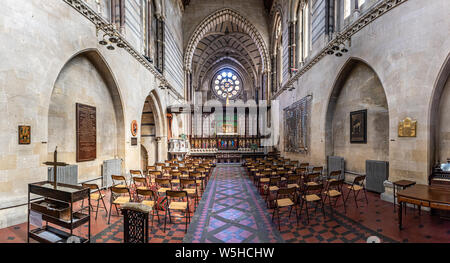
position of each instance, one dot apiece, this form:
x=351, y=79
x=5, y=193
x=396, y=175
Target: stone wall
x=362, y=90
x=38, y=39
x=406, y=48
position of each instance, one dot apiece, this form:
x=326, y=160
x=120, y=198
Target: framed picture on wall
x=358, y=126
x=24, y=134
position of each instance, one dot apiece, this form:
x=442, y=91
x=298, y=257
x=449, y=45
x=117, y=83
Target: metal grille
x=135, y=226
x=336, y=163
x=64, y=174
x=377, y=172
x=111, y=167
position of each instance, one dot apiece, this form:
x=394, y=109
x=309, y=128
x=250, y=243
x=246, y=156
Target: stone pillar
x=292, y=48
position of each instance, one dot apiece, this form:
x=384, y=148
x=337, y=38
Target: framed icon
x=24, y=134
x=358, y=126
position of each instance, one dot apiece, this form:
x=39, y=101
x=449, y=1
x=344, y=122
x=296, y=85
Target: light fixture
x=335, y=47
x=330, y=52
x=338, y=54
x=110, y=47
x=343, y=49
x=113, y=39
x=103, y=42
x=120, y=44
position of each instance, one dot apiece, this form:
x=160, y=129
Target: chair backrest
x=176, y=194
x=90, y=186
x=146, y=193
x=312, y=176
x=185, y=182
x=120, y=190
x=335, y=184
x=274, y=180
x=160, y=164
x=293, y=179
x=175, y=175
x=304, y=165
x=300, y=171
x=358, y=179
x=335, y=173
x=141, y=180
x=310, y=188
x=162, y=181
x=151, y=168
x=157, y=174
x=286, y=191
x=136, y=172
x=317, y=169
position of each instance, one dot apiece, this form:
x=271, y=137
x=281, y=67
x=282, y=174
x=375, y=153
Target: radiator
x=376, y=173
x=64, y=174
x=110, y=167
x=336, y=163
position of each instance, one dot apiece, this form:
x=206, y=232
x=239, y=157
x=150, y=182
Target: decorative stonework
x=378, y=10
x=102, y=24
x=216, y=18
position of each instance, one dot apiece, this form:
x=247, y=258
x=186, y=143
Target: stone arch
x=439, y=90
x=93, y=74
x=372, y=97
x=216, y=18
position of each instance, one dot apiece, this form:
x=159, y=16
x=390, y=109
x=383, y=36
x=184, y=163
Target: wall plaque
x=134, y=141
x=407, y=128
x=86, y=133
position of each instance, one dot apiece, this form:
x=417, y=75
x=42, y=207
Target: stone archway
x=439, y=128
x=357, y=87
x=152, y=129
x=87, y=79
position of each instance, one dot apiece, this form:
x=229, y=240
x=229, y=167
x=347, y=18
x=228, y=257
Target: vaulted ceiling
x=226, y=45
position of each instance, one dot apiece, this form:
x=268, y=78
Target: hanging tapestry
x=296, y=126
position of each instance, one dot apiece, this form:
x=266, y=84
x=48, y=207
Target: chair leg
x=367, y=200
x=165, y=216
x=345, y=209
x=296, y=213
x=348, y=194
x=103, y=201
x=98, y=206
x=110, y=211
x=307, y=213
x=356, y=200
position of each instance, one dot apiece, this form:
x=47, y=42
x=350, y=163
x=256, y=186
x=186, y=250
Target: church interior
x=224, y=121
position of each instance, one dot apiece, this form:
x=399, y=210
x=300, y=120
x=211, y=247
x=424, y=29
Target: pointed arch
x=216, y=18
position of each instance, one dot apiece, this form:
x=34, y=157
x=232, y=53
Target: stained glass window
x=227, y=83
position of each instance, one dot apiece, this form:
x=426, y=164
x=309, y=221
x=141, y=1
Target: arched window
x=277, y=54
x=303, y=32
x=347, y=8
x=227, y=85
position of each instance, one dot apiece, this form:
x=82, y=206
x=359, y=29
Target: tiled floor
x=231, y=210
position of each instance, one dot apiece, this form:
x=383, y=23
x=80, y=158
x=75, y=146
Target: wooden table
x=423, y=195
x=403, y=184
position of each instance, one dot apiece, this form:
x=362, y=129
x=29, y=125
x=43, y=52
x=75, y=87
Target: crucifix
x=55, y=164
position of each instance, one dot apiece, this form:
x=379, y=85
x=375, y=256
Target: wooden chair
x=293, y=181
x=312, y=179
x=274, y=186
x=163, y=185
x=286, y=197
x=119, y=181
x=334, y=176
x=136, y=173
x=190, y=186
x=357, y=186
x=182, y=206
x=318, y=169
x=304, y=165
x=334, y=190
x=175, y=177
x=119, y=196
x=148, y=198
x=312, y=194
x=96, y=195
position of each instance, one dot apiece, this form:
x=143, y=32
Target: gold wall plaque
x=407, y=128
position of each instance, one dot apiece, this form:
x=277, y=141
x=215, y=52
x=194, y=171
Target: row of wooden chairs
x=297, y=185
